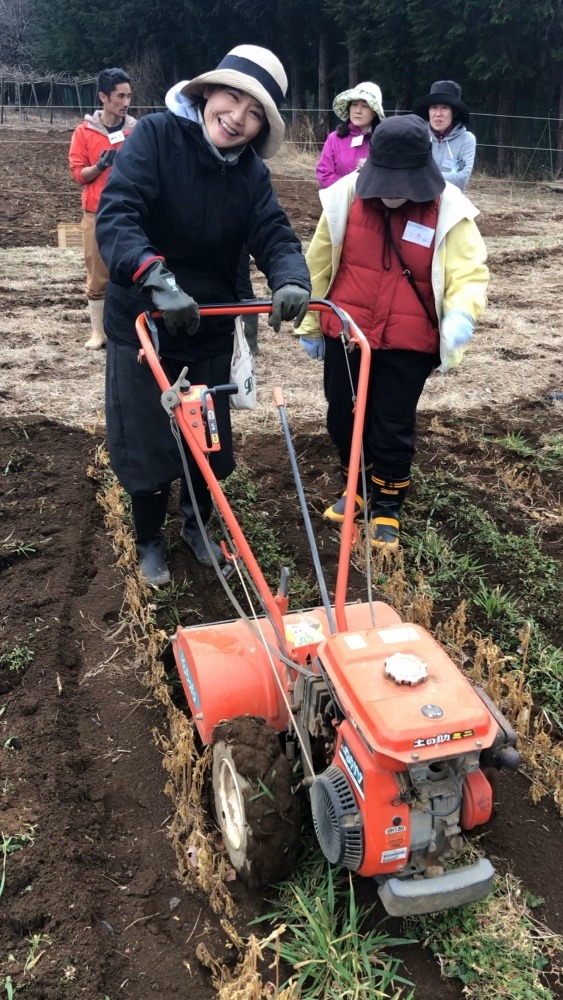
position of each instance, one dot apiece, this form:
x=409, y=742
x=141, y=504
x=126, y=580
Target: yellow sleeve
x=466, y=273
x=319, y=262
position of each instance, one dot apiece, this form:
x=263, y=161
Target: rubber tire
x=261, y=832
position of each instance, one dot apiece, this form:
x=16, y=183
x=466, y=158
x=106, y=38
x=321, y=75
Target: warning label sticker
x=400, y=633
x=304, y=631
x=398, y=854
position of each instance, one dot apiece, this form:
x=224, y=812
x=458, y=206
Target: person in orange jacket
x=92, y=150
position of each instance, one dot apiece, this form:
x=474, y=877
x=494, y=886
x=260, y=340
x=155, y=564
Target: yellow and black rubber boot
x=387, y=498
x=336, y=511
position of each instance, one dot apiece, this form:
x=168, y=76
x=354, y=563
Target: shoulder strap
x=413, y=283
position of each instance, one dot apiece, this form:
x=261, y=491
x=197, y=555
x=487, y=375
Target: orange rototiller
x=345, y=706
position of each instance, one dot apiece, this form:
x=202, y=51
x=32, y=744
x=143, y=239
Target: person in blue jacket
x=183, y=199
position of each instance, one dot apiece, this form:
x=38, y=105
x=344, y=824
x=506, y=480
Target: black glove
x=179, y=310
x=289, y=302
x=106, y=159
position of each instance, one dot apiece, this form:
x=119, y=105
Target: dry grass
x=196, y=843
x=504, y=680
x=516, y=354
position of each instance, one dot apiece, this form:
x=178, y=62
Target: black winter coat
x=168, y=195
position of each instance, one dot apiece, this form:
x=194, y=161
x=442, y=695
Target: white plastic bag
x=242, y=371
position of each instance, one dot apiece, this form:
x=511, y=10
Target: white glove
x=315, y=347
x=457, y=332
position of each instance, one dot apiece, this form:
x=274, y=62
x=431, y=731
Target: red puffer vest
x=370, y=283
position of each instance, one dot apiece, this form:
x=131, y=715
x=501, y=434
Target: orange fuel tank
x=404, y=693
x=226, y=669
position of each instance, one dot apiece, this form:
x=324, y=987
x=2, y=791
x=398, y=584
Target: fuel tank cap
x=406, y=668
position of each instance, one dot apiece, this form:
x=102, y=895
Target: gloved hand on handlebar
x=314, y=346
x=289, y=302
x=457, y=332
x=179, y=310
x=106, y=159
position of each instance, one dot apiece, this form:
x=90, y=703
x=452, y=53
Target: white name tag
x=356, y=140
x=115, y=137
x=415, y=233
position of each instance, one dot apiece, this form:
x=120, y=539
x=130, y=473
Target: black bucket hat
x=400, y=163
x=443, y=92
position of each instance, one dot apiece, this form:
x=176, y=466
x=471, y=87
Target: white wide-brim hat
x=255, y=71
x=368, y=92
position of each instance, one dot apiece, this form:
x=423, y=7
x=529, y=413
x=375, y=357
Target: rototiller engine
x=364, y=713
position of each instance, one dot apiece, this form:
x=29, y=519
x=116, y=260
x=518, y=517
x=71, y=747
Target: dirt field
x=90, y=874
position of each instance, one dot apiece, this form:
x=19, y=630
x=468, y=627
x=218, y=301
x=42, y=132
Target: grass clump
x=328, y=940
x=494, y=947
x=264, y=540
x=16, y=659
x=448, y=546
x=9, y=844
x=547, y=456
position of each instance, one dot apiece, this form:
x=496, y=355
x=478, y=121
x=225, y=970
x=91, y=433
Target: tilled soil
x=91, y=899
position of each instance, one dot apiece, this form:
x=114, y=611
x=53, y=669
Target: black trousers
x=144, y=454
x=396, y=382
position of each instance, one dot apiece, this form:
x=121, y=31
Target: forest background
x=506, y=54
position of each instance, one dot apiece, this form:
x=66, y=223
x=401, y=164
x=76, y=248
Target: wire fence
x=526, y=147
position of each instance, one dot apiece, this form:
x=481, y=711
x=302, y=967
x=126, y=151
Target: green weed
x=17, y=547
x=550, y=455
x=516, y=442
x=546, y=679
x=35, y=942
x=447, y=546
x=16, y=461
x=264, y=790
x=17, y=659
x=496, y=602
x=264, y=541
x=327, y=941
x=494, y=947
x=10, y=844
x=547, y=456
x=440, y=558
x=168, y=603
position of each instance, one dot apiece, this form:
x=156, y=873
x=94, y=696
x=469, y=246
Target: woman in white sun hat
x=346, y=149
x=179, y=206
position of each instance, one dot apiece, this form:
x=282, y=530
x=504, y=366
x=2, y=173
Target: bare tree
x=16, y=21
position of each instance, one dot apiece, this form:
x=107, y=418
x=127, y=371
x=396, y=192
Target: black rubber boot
x=190, y=532
x=250, y=324
x=152, y=566
x=387, y=498
x=336, y=511
x=149, y=513
x=193, y=537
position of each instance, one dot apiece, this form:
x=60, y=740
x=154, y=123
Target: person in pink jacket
x=346, y=149
x=92, y=150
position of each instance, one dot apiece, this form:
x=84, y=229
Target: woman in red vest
x=397, y=248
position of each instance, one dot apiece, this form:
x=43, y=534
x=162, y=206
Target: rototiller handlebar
x=192, y=408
